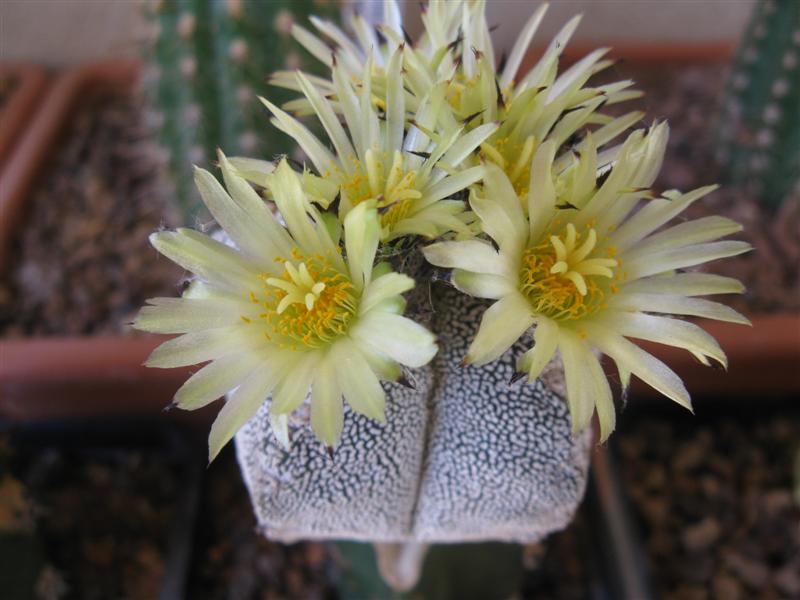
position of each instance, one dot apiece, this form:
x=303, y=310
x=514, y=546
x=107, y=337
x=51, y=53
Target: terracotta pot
x=72, y=376
x=16, y=111
x=763, y=360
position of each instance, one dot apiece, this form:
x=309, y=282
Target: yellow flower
x=408, y=172
x=588, y=270
x=284, y=311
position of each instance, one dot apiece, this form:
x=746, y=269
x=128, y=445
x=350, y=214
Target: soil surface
x=232, y=561
x=83, y=264
x=719, y=503
x=102, y=516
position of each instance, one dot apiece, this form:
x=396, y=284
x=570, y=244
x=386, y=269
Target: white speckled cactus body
x=463, y=455
x=759, y=134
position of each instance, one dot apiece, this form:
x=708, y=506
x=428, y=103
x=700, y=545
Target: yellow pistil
x=394, y=189
x=309, y=305
x=514, y=157
x=562, y=279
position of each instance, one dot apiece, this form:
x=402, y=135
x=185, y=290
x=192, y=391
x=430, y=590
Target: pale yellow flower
x=588, y=270
x=284, y=312
x=410, y=171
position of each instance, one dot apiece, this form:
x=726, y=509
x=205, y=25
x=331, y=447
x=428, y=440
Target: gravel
x=102, y=515
x=716, y=504
x=82, y=264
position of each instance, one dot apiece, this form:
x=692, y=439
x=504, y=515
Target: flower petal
x=206, y=258
x=385, y=286
x=198, y=346
x=482, y=285
x=686, y=284
x=502, y=325
x=545, y=338
x=180, y=315
x=642, y=265
x=361, y=388
x=500, y=212
x=293, y=386
x=675, y=304
x=214, y=381
x=663, y=330
x=645, y=366
x=327, y=413
x=542, y=193
x=361, y=234
x=698, y=231
x=580, y=378
x=240, y=407
x=320, y=156
x=521, y=46
x=397, y=337
x=469, y=255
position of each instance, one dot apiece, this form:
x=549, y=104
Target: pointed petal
x=180, y=315
x=545, y=338
x=361, y=234
x=663, y=330
x=520, y=47
x=198, y=346
x=214, y=381
x=327, y=413
x=397, y=337
x=502, y=325
x=293, y=387
x=677, y=305
x=240, y=407
x=469, y=255
x=576, y=358
x=362, y=390
x=319, y=155
x=645, y=366
x=208, y=259
x=482, y=285
x=686, y=284
x=385, y=286
x=642, y=265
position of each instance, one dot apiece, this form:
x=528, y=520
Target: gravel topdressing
x=82, y=263
x=717, y=503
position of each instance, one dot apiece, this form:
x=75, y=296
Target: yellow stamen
x=562, y=279
x=309, y=305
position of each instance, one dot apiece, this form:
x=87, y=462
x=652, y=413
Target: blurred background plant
x=208, y=62
x=759, y=132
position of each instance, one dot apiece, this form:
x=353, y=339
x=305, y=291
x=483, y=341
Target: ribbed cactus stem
x=209, y=61
x=759, y=133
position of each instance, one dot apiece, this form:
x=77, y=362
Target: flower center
x=562, y=278
x=514, y=157
x=309, y=305
x=394, y=189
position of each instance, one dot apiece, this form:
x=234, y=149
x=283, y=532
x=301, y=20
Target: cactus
x=207, y=64
x=759, y=133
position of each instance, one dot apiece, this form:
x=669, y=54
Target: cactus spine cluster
x=759, y=134
x=207, y=64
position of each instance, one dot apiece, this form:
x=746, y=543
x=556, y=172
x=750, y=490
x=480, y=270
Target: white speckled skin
x=462, y=457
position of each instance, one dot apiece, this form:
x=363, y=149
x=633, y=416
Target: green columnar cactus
x=759, y=134
x=208, y=63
